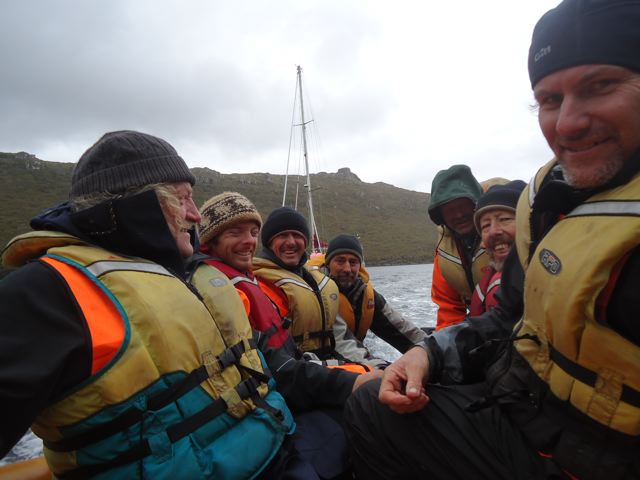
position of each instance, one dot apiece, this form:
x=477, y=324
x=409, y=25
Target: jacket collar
x=131, y=226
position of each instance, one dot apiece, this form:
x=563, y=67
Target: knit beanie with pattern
x=583, y=32
x=343, y=244
x=281, y=220
x=126, y=159
x=222, y=211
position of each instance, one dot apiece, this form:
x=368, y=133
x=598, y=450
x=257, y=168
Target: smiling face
x=498, y=231
x=344, y=268
x=289, y=247
x=236, y=245
x=458, y=215
x=590, y=116
x=181, y=215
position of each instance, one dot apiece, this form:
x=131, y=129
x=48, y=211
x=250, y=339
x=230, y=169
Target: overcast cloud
x=397, y=90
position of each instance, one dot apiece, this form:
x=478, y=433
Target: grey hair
x=83, y=202
x=166, y=193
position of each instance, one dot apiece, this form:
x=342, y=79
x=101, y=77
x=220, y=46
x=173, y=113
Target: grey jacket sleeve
x=351, y=349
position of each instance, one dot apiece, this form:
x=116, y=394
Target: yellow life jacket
x=311, y=323
x=451, y=265
x=582, y=360
x=346, y=309
x=167, y=341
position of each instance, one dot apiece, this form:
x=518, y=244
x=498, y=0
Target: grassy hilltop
x=392, y=222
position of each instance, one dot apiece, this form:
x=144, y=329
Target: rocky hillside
x=392, y=222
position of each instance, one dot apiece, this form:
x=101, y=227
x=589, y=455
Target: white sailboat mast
x=315, y=240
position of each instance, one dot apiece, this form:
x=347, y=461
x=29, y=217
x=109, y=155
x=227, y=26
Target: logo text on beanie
x=541, y=53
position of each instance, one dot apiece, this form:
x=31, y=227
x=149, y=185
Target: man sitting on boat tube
x=545, y=385
x=229, y=233
x=495, y=220
x=361, y=306
x=308, y=298
x=119, y=366
x=459, y=258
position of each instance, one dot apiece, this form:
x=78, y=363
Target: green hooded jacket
x=455, y=182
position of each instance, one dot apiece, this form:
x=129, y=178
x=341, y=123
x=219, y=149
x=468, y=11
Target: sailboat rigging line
x=286, y=175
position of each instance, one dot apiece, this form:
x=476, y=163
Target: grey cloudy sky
x=397, y=90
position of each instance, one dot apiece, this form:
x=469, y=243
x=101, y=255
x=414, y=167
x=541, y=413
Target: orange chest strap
x=103, y=318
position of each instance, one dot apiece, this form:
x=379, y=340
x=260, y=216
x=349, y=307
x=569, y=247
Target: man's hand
x=402, y=384
x=365, y=377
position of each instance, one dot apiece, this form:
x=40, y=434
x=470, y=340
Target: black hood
x=131, y=226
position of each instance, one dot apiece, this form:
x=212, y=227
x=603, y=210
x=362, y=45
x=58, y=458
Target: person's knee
x=362, y=401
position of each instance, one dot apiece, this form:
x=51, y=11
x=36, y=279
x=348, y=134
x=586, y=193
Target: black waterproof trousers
x=442, y=441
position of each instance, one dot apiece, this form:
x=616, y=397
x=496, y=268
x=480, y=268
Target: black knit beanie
x=281, y=220
x=503, y=197
x=124, y=159
x=343, y=244
x=582, y=32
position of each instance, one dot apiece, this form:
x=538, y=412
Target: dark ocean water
x=407, y=288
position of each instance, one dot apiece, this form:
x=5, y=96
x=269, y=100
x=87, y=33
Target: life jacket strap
x=589, y=377
x=310, y=335
x=246, y=389
x=155, y=402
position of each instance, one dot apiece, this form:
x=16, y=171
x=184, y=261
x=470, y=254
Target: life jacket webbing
x=106, y=266
x=293, y=281
x=477, y=254
x=480, y=293
x=238, y=279
x=246, y=389
x=607, y=207
x=588, y=377
x=155, y=402
x=316, y=334
x=102, y=316
x=323, y=334
x=449, y=257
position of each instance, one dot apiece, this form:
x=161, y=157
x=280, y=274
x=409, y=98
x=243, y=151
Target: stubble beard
x=581, y=179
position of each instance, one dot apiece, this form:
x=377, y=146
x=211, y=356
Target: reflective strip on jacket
x=450, y=287
x=311, y=323
x=169, y=384
x=484, y=295
x=583, y=361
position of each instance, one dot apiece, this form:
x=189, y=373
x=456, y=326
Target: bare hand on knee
x=402, y=387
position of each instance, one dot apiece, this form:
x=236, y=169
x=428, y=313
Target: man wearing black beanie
x=361, y=306
x=307, y=297
x=495, y=221
x=547, y=384
x=310, y=302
